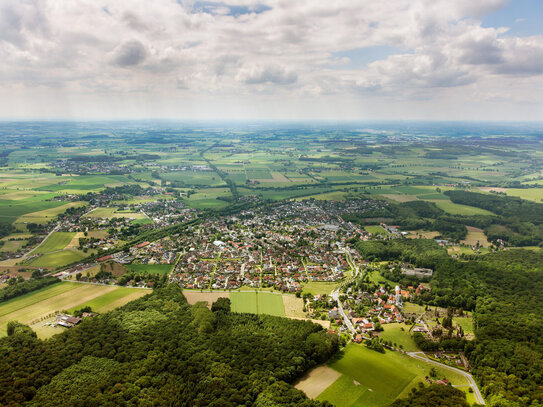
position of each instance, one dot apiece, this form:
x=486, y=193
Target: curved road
x=478, y=396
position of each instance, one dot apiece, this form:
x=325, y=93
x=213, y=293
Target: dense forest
x=158, y=350
x=421, y=215
x=520, y=222
x=505, y=291
x=435, y=395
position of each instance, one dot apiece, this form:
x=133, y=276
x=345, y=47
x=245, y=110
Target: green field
x=381, y=377
x=112, y=299
x=11, y=210
x=150, y=268
x=113, y=212
x=458, y=209
x=58, y=259
x=33, y=307
x=258, y=303
x=376, y=230
x=395, y=334
x=56, y=241
x=465, y=322
x=314, y=287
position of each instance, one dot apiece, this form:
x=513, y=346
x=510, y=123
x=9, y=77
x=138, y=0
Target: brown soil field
x=293, y=306
x=210, y=297
x=324, y=324
x=316, y=381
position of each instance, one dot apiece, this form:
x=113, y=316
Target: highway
x=478, y=396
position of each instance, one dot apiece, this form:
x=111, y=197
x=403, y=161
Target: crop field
x=56, y=241
x=113, y=212
x=293, y=306
x=531, y=194
x=316, y=287
x=44, y=216
x=327, y=196
x=150, y=268
x=458, y=209
x=316, y=381
x=258, y=303
x=210, y=297
x=85, y=183
x=12, y=245
x=204, y=178
x=112, y=299
x=58, y=259
x=11, y=210
x=476, y=235
x=373, y=379
x=399, y=334
x=33, y=306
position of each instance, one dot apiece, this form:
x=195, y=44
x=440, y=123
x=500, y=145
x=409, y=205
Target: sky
x=276, y=59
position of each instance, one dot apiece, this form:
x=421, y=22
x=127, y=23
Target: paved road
x=335, y=295
x=351, y=262
x=478, y=396
x=46, y=237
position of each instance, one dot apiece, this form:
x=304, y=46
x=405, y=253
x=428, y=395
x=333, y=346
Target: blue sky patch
x=523, y=17
x=360, y=57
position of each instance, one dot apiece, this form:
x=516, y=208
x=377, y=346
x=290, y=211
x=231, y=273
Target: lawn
x=466, y=323
x=258, y=303
x=395, y=334
x=372, y=379
x=314, y=287
x=376, y=230
x=150, y=268
x=57, y=241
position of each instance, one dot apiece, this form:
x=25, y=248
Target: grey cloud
x=485, y=51
x=129, y=53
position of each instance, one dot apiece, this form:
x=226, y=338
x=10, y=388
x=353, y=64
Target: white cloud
x=244, y=50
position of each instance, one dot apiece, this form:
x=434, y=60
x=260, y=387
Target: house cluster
x=161, y=251
x=281, y=247
x=165, y=212
x=67, y=166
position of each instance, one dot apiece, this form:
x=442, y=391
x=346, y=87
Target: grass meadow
x=373, y=379
x=34, y=307
x=150, y=268
x=257, y=303
x=57, y=241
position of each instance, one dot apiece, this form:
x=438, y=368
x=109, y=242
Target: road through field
x=43, y=241
x=476, y=391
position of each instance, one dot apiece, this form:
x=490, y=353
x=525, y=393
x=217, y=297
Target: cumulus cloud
x=240, y=49
x=271, y=74
x=129, y=53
